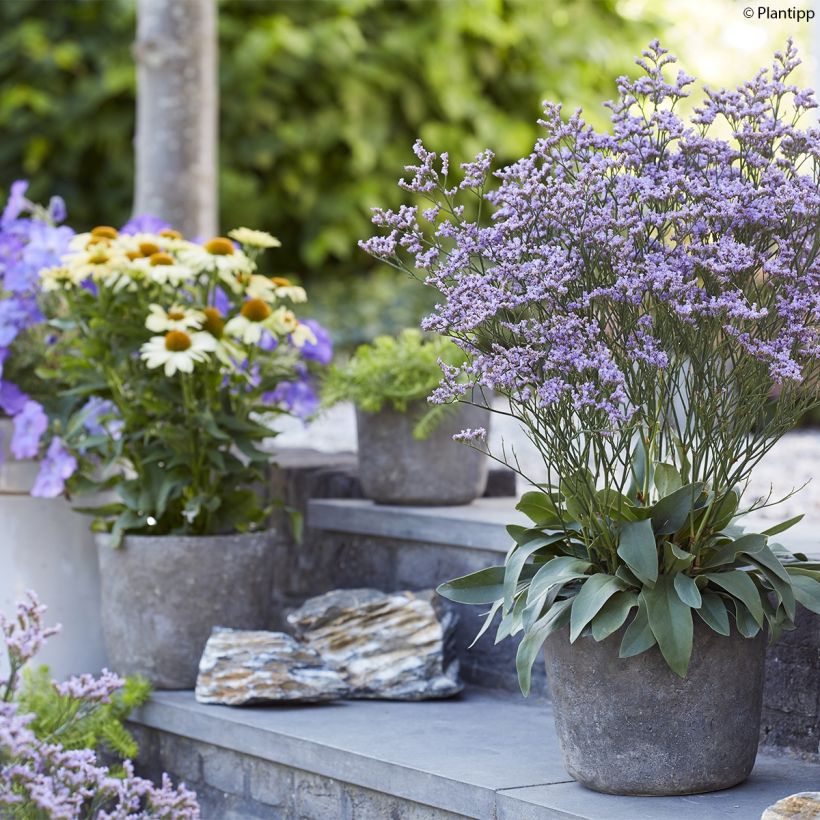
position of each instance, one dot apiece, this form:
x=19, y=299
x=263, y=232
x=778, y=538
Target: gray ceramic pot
x=632, y=726
x=396, y=468
x=162, y=595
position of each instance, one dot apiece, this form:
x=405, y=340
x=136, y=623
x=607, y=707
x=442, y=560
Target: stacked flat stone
x=385, y=645
x=242, y=667
x=358, y=643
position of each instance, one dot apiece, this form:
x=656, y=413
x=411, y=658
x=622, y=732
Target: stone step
x=353, y=542
x=477, y=756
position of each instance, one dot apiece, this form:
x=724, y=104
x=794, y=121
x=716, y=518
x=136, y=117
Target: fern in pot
x=406, y=450
x=637, y=297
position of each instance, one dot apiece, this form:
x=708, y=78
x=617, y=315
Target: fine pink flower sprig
x=38, y=775
x=661, y=280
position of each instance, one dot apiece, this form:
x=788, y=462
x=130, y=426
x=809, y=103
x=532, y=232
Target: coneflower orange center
x=177, y=341
x=280, y=281
x=162, y=259
x=169, y=233
x=255, y=310
x=132, y=255
x=214, y=323
x=105, y=232
x=219, y=246
x=149, y=248
x=176, y=315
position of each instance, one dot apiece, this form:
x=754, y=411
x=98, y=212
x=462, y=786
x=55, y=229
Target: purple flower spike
x=17, y=202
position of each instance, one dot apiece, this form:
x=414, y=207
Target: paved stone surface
x=479, y=756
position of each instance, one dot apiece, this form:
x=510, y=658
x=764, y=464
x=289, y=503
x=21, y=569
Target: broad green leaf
x=540, y=508
x=638, y=636
x=483, y=587
x=637, y=548
x=741, y=586
x=671, y=622
x=724, y=510
x=558, y=570
x=617, y=506
x=748, y=544
x=612, y=614
x=675, y=559
x=519, y=557
x=595, y=592
x=531, y=643
x=746, y=623
x=488, y=619
x=688, y=590
x=640, y=465
x=783, y=526
x=777, y=576
x=667, y=479
x=671, y=512
x=521, y=534
x=512, y=622
x=713, y=613
x=806, y=591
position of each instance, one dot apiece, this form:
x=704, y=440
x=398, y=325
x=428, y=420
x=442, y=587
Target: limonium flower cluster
x=38, y=775
x=640, y=297
x=606, y=276
x=174, y=353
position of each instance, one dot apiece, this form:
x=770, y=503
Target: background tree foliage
x=321, y=102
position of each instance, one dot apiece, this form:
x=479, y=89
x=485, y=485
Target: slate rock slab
x=802, y=806
x=243, y=667
x=393, y=646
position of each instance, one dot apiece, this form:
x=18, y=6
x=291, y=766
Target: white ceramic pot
x=47, y=547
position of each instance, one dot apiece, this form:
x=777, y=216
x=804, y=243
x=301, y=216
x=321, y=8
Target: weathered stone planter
x=47, y=547
x=632, y=726
x=396, y=468
x=162, y=595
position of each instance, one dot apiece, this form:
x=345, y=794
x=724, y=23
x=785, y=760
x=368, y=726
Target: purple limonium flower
x=322, y=350
x=57, y=466
x=144, y=223
x=30, y=424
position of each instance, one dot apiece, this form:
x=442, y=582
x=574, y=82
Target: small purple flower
x=17, y=202
x=268, y=342
x=322, y=351
x=144, y=223
x=297, y=397
x=57, y=466
x=12, y=398
x=57, y=210
x=29, y=425
x=102, y=418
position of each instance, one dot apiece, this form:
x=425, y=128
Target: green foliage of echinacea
x=393, y=372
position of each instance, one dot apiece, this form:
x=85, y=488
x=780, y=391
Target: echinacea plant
x=638, y=297
x=49, y=731
x=173, y=356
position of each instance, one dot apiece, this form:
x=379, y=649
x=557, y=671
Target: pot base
x=631, y=726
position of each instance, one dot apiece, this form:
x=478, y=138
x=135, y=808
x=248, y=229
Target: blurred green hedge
x=321, y=102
